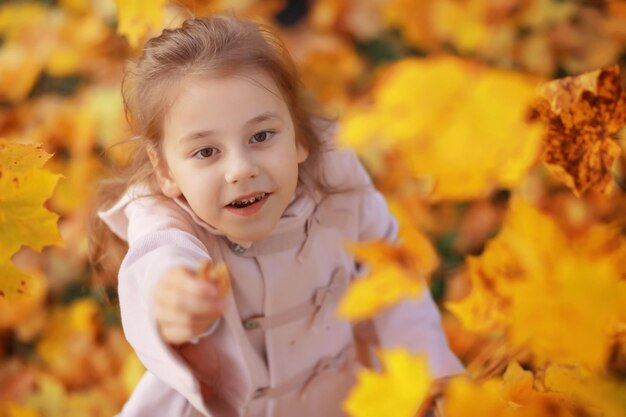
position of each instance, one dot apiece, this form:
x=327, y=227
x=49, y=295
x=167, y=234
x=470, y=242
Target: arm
x=161, y=239
x=164, y=250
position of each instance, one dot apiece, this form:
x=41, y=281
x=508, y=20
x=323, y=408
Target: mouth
x=247, y=200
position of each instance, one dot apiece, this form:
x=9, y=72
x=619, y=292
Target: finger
x=178, y=280
x=180, y=283
x=174, y=334
x=181, y=331
x=189, y=304
x=186, y=281
x=190, y=325
x=169, y=305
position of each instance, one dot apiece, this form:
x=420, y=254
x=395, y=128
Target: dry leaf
x=583, y=115
x=217, y=274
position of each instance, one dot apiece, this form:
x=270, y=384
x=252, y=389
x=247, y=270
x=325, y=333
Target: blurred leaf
x=533, y=281
x=19, y=71
x=381, y=289
x=138, y=18
x=21, y=294
x=11, y=409
x=463, y=397
x=397, y=271
x=68, y=340
x=398, y=391
x=450, y=121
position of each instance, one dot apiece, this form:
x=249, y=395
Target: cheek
x=287, y=163
x=199, y=187
x=291, y=172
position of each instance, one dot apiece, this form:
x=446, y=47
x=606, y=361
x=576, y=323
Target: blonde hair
x=216, y=45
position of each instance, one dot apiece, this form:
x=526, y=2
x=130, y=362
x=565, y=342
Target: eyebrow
x=205, y=133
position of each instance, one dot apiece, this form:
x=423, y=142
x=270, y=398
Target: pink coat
x=279, y=349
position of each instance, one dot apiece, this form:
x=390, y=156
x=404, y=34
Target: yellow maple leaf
x=421, y=255
x=381, y=289
x=450, y=120
x=398, y=391
x=24, y=187
x=509, y=258
x=583, y=114
x=604, y=396
x=533, y=273
x=558, y=303
x=464, y=397
x=513, y=395
x=396, y=271
x=483, y=310
x=138, y=18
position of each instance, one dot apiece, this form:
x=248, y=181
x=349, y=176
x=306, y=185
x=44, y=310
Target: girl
x=232, y=168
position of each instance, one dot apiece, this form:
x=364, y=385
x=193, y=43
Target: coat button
x=259, y=393
x=250, y=324
x=238, y=249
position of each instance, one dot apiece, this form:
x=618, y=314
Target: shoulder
x=139, y=212
x=343, y=172
x=339, y=166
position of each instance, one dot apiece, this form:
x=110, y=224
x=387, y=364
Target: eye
x=262, y=136
x=205, y=153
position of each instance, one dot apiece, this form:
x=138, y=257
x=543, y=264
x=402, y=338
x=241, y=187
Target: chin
x=249, y=235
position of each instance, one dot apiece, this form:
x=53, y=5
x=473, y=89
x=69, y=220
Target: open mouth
x=247, y=202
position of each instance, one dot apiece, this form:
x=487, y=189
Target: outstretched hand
x=187, y=303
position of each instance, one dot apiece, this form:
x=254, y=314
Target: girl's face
x=229, y=149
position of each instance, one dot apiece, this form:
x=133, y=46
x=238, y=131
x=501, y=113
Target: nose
x=240, y=166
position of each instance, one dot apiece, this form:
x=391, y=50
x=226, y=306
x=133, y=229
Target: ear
x=302, y=153
x=163, y=175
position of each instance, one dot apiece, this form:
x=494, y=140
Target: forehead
x=221, y=104
x=226, y=98
x=220, y=94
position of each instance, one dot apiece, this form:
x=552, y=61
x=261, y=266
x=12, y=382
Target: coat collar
x=287, y=233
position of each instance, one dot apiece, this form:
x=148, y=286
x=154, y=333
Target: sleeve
x=209, y=332
x=413, y=323
x=159, y=238
x=164, y=401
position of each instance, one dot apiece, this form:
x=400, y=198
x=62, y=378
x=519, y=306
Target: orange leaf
x=583, y=113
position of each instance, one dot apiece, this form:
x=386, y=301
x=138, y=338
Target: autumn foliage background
x=507, y=178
